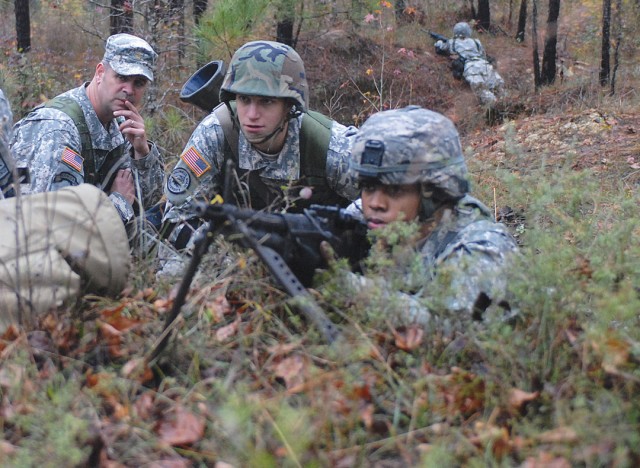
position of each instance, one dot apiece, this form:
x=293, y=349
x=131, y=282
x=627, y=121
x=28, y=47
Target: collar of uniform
x=101, y=138
x=285, y=167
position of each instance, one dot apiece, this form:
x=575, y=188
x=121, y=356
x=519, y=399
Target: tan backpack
x=56, y=246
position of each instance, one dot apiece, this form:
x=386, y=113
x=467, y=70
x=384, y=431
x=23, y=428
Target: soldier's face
x=116, y=88
x=260, y=117
x=383, y=204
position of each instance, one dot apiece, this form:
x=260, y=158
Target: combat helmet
x=462, y=30
x=266, y=68
x=412, y=145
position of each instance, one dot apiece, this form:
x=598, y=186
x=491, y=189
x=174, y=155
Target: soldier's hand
x=327, y=253
x=133, y=129
x=123, y=184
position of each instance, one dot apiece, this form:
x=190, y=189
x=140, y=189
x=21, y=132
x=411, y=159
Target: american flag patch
x=195, y=161
x=72, y=158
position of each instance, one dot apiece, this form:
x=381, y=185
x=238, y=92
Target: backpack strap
x=103, y=177
x=315, y=135
x=70, y=107
x=230, y=131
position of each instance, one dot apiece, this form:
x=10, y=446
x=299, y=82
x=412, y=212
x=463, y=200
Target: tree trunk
x=199, y=7
x=548, y=74
x=284, y=31
x=472, y=8
x=606, y=43
x=484, y=14
x=534, y=37
x=616, y=49
x=23, y=26
x=176, y=13
x=522, y=21
x=121, y=17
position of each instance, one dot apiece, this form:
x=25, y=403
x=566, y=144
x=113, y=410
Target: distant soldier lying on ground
x=472, y=64
x=410, y=167
x=54, y=246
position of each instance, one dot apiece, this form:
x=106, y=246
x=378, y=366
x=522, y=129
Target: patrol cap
x=130, y=55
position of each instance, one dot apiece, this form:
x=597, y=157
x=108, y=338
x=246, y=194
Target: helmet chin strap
x=271, y=135
x=274, y=134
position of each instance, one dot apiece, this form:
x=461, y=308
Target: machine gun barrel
x=438, y=37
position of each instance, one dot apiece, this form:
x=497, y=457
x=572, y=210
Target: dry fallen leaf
x=226, y=332
x=558, y=435
x=518, y=397
x=291, y=370
x=181, y=428
x=410, y=338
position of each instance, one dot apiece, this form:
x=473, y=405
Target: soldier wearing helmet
x=471, y=63
x=285, y=155
x=410, y=167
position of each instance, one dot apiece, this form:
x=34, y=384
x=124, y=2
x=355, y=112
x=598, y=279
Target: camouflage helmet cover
x=266, y=68
x=411, y=145
x=462, y=29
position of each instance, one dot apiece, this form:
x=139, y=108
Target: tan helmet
x=266, y=68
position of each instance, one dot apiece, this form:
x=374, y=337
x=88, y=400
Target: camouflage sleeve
x=150, y=170
x=123, y=207
x=481, y=50
x=197, y=174
x=443, y=47
x=340, y=178
x=473, y=271
x=47, y=142
x=6, y=160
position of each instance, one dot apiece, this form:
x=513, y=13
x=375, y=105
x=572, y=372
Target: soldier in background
x=410, y=167
x=95, y=134
x=473, y=64
x=286, y=156
x=6, y=162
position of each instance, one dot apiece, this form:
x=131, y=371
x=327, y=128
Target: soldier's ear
x=100, y=70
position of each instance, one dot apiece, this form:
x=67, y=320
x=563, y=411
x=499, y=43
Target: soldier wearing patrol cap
x=410, y=167
x=54, y=247
x=285, y=155
x=95, y=134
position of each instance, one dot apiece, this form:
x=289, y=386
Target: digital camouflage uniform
x=466, y=252
x=484, y=80
x=48, y=142
x=6, y=162
x=259, y=68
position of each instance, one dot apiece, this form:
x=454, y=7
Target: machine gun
x=438, y=37
x=287, y=243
